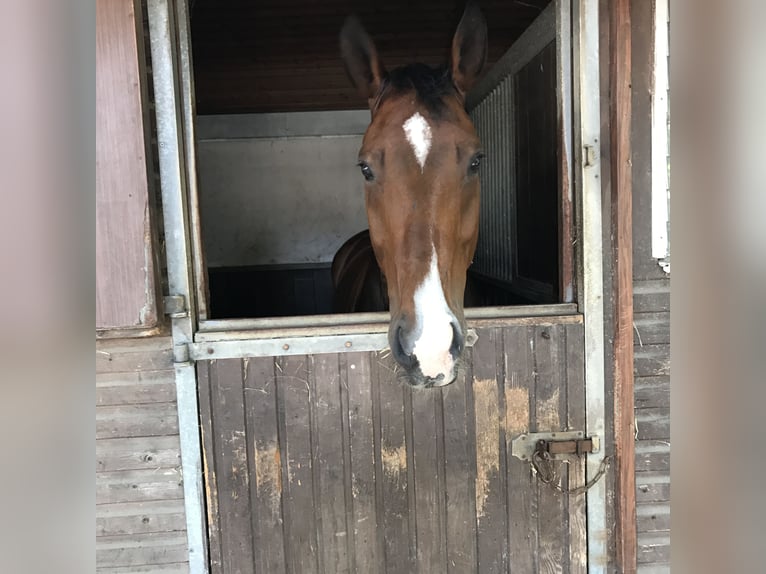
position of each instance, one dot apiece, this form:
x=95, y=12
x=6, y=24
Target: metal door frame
x=174, y=108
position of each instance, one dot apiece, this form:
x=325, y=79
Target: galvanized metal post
x=173, y=182
x=588, y=173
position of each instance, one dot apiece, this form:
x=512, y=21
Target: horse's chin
x=416, y=380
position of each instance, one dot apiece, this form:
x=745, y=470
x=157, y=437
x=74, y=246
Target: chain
x=542, y=465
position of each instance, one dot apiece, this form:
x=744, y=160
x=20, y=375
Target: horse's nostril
x=400, y=348
x=403, y=342
x=458, y=341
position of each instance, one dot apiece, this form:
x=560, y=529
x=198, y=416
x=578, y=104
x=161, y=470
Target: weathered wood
x=265, y=465
x=386, y=479
x=355, y=373
x=125, y=272
x=652, y=487
x=575, y=408
x=622, y=230
x=519, y=397
x=297, y=490
x=395, y=469
x=157, y=358
x=651, y=296
x=332, y=535
x=138, y=453
x=652, y=392
x=138, y=387
x=144, y=420
x=653, y=424
x=653, y=517
x=231, y=454
x=429, y=493
x=549, y=360
x=139, y=485
x=142, y=549
x=491, y=513
x=175, y=568
x=652, y=361
x=460, y=474
x=652, y=455
x=651, y=328
x=140, y=517
x=653, y=548
x=209, y=461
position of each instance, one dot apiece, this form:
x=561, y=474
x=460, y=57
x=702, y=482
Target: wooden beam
x=622, y=206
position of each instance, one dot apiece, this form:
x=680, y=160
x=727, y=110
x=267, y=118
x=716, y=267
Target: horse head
x=420, y=161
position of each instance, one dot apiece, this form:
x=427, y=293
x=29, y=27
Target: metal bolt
x=348, y=344
x=210, y=350
x=285, y=346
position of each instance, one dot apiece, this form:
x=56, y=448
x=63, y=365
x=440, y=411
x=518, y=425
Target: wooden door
x=328, y=463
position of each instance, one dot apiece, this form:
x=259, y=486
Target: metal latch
x=578, y=446
x=543, y=450
x=555, y=444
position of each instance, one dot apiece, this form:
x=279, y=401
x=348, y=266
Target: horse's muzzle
x=437, y=372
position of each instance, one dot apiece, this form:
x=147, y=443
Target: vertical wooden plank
x=575, y=383
x=620, y=73
x=332, y=536
x=298, y=506
x=125, y=269
x=265, y=464
x=522, y=484
x=490, y=488
x=207, y=426
x=460, y=471
x=231, y=451
x=429, y=496
x=550, y=411
x=367, y=555
x=393, y=455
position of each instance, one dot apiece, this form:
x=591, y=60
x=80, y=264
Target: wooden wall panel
x=356, y=472
x=125, y=270
x=651, y=320
x=270, y=56
x=140, y=520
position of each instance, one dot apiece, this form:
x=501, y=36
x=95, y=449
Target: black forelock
x=431, y=85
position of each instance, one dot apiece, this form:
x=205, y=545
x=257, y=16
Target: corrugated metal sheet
x=283, y=56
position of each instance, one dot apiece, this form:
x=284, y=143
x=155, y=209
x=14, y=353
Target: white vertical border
x=660, y=144
x=587, y=115
x=173, y=184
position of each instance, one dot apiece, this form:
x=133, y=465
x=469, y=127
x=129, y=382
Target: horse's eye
x=475, y=163
x=366, y=171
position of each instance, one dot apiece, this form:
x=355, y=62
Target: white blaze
x=434, y=319
x=418, y=133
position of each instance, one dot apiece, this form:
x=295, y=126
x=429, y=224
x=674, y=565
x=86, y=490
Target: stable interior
x=278, y=130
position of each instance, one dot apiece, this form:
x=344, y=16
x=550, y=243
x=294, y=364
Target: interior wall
x=279, y=188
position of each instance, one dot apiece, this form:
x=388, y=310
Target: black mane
x=431, y=85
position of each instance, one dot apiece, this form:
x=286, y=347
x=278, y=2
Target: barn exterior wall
x=651, y=313
x=140, y=520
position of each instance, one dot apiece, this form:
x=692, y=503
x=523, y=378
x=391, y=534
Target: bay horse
x=420, y=160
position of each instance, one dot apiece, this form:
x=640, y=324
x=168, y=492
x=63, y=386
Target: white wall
x=274, y=190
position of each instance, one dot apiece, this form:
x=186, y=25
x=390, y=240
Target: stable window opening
x=279, y=125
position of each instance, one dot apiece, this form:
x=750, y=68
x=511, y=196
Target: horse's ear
x=469, y=48
x=361, y=59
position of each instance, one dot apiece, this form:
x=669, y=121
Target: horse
x=419, y=161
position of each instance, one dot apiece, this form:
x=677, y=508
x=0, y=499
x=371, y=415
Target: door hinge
x=175, y=306
x=555, y=444
x=181, y=355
